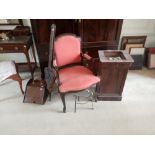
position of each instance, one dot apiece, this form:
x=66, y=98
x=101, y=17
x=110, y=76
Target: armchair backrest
x=67, y=50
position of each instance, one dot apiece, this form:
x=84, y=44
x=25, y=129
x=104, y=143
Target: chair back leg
x=63, y=101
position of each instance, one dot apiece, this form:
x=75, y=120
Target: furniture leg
x=75, y=102
x=92, y=105
x=33, y=52
x=49, y=96
x=17, y=78
x=16, y=68
x=63, y=101
x=29, y=63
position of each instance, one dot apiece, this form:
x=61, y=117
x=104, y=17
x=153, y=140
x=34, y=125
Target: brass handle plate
x=16, y=48
x=1, y=48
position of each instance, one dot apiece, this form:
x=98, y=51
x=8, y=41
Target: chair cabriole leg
x=63, y=101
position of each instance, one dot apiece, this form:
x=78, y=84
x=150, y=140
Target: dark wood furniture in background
x=19, y=44
x=99, y=34
x=96, y=34
x=135, y=42
x=113, y=74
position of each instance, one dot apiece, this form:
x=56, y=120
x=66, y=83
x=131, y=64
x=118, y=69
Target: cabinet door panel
x=108, y=75
x=41, y=28
x=99, y=30
x=99, y=34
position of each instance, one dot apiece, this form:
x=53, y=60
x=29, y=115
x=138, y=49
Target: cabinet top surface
x=16, y=40
x=115, y=56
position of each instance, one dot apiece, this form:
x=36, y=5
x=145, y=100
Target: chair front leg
x=63, y=101
x=49, y=95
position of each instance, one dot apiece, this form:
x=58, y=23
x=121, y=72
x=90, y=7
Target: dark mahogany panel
x=99, y=34
x=99, y=30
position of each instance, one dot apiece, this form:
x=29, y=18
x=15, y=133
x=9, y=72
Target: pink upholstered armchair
x=73, y=76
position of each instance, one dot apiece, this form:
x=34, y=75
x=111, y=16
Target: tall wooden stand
x=113, y=71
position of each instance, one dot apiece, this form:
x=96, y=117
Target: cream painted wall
x=140, y=27
x=129, y=27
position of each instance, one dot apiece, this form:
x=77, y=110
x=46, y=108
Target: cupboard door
x=100, y=34
x=99, y=30
x=113, y=76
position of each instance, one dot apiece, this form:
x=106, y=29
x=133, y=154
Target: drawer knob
x=1, y=48
x=16, y=48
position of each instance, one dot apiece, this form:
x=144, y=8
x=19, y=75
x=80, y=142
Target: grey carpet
x=135, y=114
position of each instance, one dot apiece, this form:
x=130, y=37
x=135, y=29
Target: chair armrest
x=54, y=63
x=87, y=57
x=90, y=62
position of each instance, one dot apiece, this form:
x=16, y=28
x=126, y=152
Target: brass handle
x=87, y=65
x=24, y=46
x=16, y=48
x=1, y=48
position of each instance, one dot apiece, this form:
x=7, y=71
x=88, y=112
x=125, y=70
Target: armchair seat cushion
x=76, y=78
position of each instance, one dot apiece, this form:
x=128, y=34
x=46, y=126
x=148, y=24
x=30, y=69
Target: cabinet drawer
x=12, y=48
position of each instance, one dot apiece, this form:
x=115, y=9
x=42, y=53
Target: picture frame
x=131, y=46
x=137, y=51
x=132, y=40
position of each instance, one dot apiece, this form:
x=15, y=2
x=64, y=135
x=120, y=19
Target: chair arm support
x=87, y=57
x=55, y=67
x=54, y=63
x=89, y=62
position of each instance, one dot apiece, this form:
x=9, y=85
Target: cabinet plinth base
x=109, y=98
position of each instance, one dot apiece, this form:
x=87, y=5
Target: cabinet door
x=100, y=33
x=113, y=76
x=41, y=28
x=109, y=77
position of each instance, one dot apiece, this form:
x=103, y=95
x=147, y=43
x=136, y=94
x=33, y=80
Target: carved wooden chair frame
x=62, y=95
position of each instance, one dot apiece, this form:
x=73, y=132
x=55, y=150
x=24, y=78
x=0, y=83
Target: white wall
x=140, y=27
x=27, y=22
